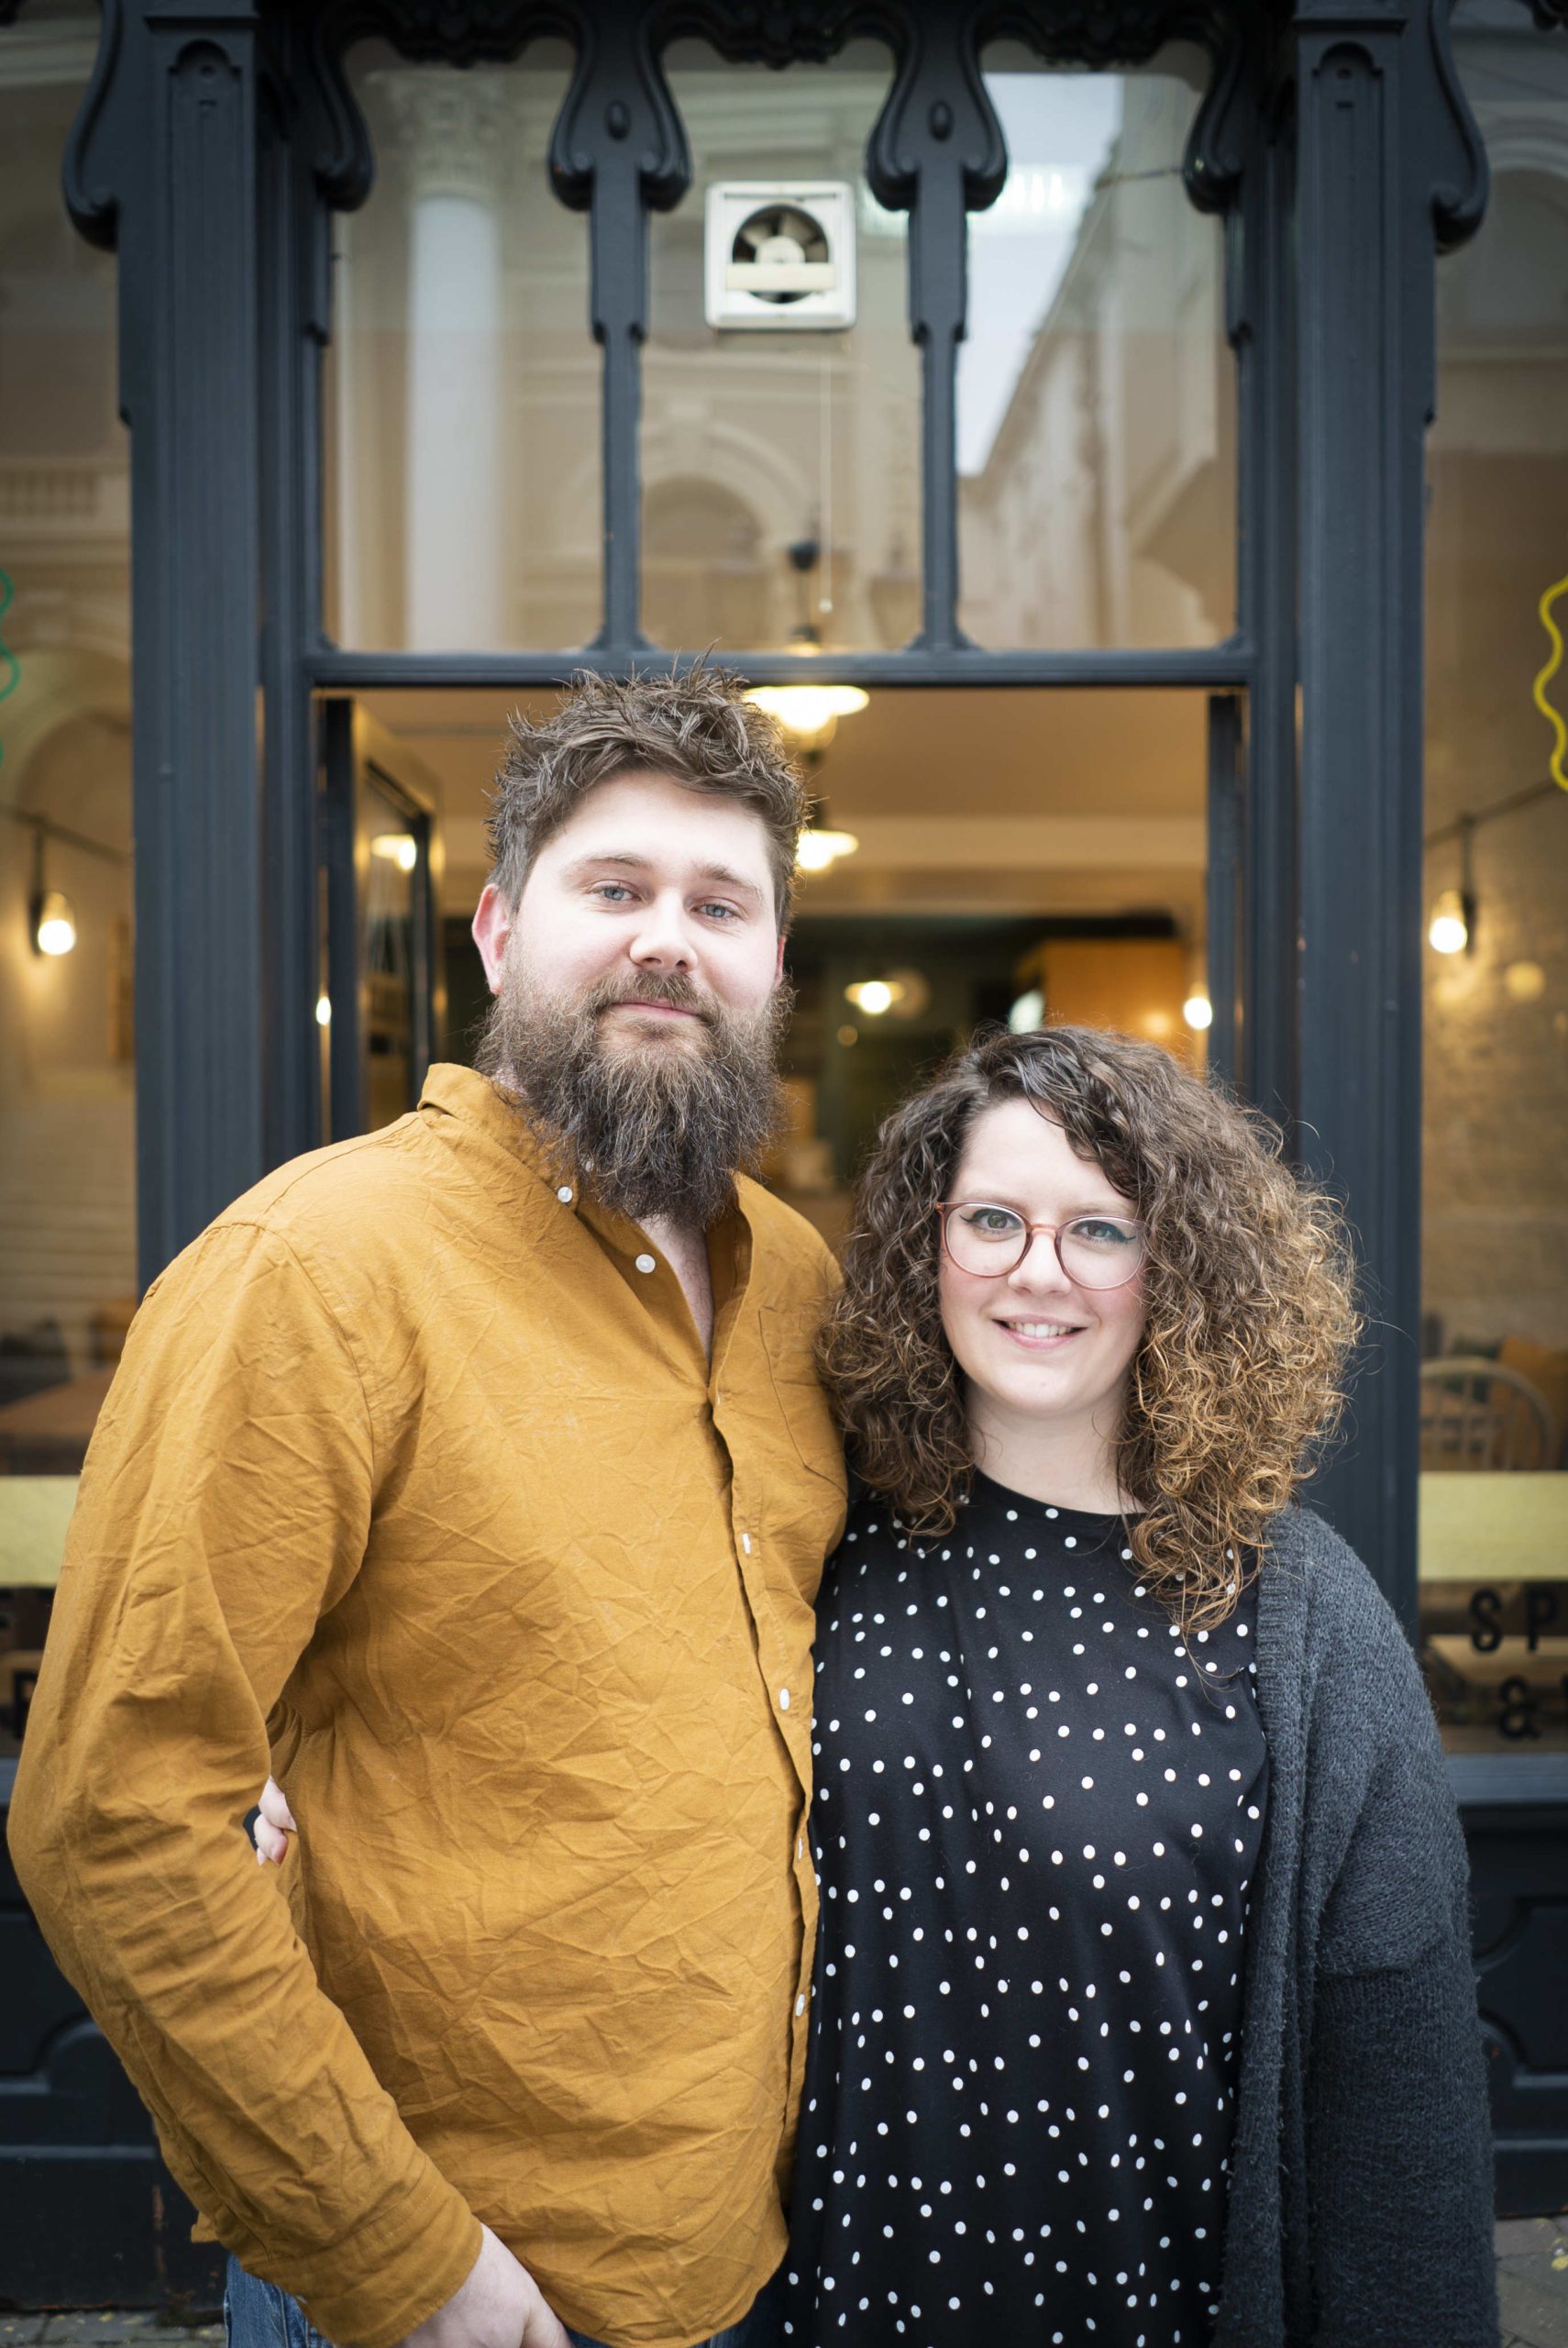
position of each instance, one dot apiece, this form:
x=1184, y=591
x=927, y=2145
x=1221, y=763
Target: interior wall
x=67, y=1072
x=1495, y=1221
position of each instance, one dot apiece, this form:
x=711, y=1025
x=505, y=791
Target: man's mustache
x=671, y=988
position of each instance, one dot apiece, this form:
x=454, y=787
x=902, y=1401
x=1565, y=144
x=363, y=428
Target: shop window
x=462, y=390
x=807, y=438
x=1493, y=1592
x=1096, y=388
x=67, y=1065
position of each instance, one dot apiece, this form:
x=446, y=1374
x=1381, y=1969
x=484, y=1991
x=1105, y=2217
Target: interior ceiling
x=978, y=798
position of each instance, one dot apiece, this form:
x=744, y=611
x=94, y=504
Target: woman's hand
x=274, y=1826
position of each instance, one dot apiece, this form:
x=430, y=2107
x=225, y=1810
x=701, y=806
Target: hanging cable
x=10, y=667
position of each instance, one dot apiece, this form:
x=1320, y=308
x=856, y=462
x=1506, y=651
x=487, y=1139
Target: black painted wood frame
x=1334, y=139
x=215, y=142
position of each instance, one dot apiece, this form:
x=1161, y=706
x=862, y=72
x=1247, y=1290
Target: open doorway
x=1020, y=853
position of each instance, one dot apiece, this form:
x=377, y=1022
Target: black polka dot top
x=1037, y=1811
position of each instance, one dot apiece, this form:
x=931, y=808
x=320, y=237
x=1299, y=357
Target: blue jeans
x=258, y=2315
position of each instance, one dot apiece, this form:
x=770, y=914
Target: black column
x=1267, y=385
x=162, y=165
x=1389, y=162
x=294, y=147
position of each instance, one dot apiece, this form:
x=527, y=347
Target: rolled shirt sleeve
x=223, y=1510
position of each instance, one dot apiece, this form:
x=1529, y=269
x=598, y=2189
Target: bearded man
x=473, y=1473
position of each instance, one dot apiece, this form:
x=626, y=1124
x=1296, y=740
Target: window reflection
x=1495, y=953
x=781, y=469
x=1096, y=388
x=462, y=380
x=67, y=1069
x=394, y=976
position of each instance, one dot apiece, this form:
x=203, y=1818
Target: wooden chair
x=1478, y=1415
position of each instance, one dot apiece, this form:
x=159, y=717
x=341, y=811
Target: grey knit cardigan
x=1360, y=2205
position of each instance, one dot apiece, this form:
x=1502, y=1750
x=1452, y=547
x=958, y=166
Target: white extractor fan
x=780, y=253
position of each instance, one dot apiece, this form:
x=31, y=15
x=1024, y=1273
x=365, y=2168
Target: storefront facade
x=1102, y=461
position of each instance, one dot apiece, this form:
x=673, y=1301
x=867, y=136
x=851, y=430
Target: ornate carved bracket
x=91, y=173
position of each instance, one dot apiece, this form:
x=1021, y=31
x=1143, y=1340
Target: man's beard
x=651, y=1126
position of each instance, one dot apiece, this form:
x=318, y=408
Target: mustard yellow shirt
x=416, y=1486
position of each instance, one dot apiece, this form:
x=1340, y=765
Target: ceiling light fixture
x=817, y=849
x=396, y=847
x=810, y=714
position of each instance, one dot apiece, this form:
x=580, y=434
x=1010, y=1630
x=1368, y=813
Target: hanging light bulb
x=1449, y=930
x=49, y=916
x=1197, y=1011
x=53, y=923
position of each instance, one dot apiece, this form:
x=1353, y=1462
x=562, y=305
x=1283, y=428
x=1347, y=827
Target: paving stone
x=19, y=2330
x=1515, y=2237
x=121, y=2328
x=1537, y=2315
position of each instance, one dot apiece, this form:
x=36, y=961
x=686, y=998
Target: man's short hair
x=698, y=728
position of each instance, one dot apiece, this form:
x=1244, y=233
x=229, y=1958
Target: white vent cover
x=780, y=253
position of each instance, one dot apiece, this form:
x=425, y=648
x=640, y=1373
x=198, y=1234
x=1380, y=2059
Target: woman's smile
x=1038, y=1336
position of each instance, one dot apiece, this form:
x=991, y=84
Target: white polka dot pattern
x=1037, y=1812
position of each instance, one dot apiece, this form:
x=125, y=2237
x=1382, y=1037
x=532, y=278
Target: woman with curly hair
x=1142, y=2007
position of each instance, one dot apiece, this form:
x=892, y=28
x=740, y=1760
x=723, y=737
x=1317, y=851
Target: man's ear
x=492, y=929
x=778, y=965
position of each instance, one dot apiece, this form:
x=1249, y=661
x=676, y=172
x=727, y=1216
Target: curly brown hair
x=697, y=728
x=1248, y=1304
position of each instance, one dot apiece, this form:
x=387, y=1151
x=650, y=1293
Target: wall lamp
x=51, y=923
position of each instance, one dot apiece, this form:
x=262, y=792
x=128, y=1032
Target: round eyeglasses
x=1094, y=1250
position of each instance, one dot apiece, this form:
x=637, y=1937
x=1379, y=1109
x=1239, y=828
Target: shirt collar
x=473, y=1100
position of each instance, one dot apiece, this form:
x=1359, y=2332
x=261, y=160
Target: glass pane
x=780, y=466
x=1494, y=1325
x=390, y=914
x=462, y=382
x=67, y=1064
x=1096, y=388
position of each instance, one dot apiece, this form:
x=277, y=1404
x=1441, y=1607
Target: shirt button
x=783, y=1700
x=564, y=1194
x=646, y=1264
x=745, y=1542
x=800, y=2005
